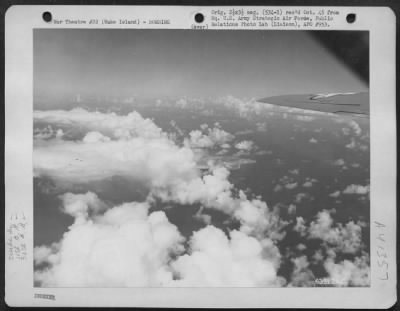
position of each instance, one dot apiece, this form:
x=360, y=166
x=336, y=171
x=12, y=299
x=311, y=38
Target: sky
x=174, y=63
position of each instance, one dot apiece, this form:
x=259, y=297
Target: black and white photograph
x=220, y=158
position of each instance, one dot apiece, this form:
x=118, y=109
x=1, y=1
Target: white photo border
x=19, y=24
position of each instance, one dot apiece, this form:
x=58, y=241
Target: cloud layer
x=131, y=244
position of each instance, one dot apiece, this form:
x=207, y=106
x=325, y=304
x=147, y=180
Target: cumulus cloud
x=309, y=182
x=245, y=145
x=169, y=171
x=125, y=246
x=244, y=108
x=335, y=194
x=352, y=144
x=355, y=127
x=211, y=138
x=178, y=130
x=47, y=133
x=46, y=254
x=346, y=131
x=300, y=226
x=292, y=209
x=336, y=238
x=181, y=103
x=349, y=273
x=80, y=206
x=156, y=161
x=299, y=197
x=313, y=140
x=339, y=162
x=205, y=218
x=95, y=137
x=211, y=190
x=302, y=276
x=356, y=189
x=343, y=238
x=278, y=188
x=94, y=248
x=291, y=186
x=216, y=260
x=109, y=124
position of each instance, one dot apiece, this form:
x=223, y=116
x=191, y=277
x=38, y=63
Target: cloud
x=109, y=124
x=313, y=140
x=309, y=182
x=349, y=273
x=299, y=197
x=177, y=129
x=301, y=276
x=301, y=247
x=346, y=131
x=46, y=254
x=245, y=145
x=125, y=246
x=244, y=108
x=300, y=226
x=204, y=126
x=355, y=127
x=205, y=218
x=340, y=238
x=47, y=133
x=352, y=144
x=336, y=238
x=291, y=185
x=169, y=171
x=292, y=209
x=153, y=161
x=212, y=190
x=216, y=260
x=278, y=188
x=305, y=118
x=261, y=126
x=356, y=189
x=80, y=205
x=335, y=194
x=181, y=103
x=339, y=162
x=212, y=138
x=95, y=137
x=257, y=219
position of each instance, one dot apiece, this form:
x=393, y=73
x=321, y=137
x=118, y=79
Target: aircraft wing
x=349, y=104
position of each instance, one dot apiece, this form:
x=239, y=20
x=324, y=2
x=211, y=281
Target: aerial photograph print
x=185, y=158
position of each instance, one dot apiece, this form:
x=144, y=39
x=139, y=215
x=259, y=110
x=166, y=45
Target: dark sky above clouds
x=158, y=63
